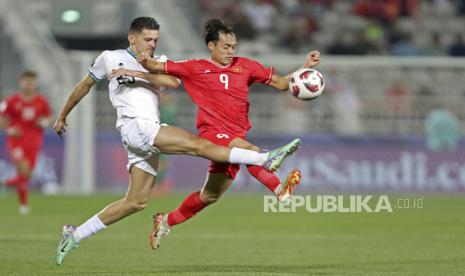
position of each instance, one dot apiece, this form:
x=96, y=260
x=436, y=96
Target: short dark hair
x=29, y=74
x=213, y=28
x=141, y=23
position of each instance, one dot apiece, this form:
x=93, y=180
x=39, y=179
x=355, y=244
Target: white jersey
x=131, y=97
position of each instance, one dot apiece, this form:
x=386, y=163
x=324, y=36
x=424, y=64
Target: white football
x=306, y=84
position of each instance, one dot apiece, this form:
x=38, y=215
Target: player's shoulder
x=241, y=59
x=42, y=98
x=13, y=97
x=110, y=57
x=245, y=61
x=113, y=53
x=109, y=54
x=192, y=64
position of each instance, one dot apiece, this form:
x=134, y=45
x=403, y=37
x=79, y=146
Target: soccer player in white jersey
x=144, y=137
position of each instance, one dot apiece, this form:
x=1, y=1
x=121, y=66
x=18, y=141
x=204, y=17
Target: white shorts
x=138, y=136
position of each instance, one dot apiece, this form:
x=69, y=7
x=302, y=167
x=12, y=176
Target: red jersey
x=24, y=114
x=220, y=92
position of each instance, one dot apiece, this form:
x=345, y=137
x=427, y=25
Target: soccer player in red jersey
x=219, y=86
x=143, y=135
x=24, y=115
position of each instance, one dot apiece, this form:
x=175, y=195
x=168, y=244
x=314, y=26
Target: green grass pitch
x=235, y=237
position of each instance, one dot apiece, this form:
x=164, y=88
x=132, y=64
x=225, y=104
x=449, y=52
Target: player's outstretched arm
x=161, y=80
x=79, y=91
x=156, y=79
x=282, y=82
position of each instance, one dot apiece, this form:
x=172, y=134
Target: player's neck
x=217, y=63
x=133, y=51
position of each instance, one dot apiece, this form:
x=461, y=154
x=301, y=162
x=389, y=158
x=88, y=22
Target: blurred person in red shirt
x=24, y=115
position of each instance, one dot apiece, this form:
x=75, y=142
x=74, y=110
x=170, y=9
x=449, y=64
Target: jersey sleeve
x=260, y=73
x=181, y=69
x=98, y=69
x=6, y=107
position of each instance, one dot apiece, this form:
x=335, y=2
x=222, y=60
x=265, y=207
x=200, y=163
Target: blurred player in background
x=442, y=129
x=219, y=86
x=144, y=137
x=24, y=115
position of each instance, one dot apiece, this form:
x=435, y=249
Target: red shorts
x=222, y=139
x=19, y=152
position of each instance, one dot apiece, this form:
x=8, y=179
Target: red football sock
x=267, y=178
x=188, y=208
x=16, y=181
x=22, y=190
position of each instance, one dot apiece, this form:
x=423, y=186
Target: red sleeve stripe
x=270, y=76
x=166, y=67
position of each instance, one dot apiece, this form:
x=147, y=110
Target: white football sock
x=88, y=228
x=249, y=157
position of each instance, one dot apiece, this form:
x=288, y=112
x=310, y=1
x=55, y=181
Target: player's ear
x=132, y=38
x=211, y=45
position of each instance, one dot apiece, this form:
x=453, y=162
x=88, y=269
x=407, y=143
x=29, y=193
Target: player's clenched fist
x=143, y=58
x=313, y=59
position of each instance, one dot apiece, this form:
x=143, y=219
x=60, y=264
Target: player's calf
x=134, y=206
x=208, y=198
